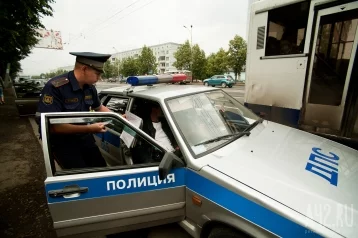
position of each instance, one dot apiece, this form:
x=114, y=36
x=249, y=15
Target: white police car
x=237, y=176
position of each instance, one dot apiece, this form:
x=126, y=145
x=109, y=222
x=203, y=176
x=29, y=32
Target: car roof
x=158, y=92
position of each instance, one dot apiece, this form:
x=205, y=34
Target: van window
x=286, y=29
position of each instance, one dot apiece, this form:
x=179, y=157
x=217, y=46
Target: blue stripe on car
x=218, y=194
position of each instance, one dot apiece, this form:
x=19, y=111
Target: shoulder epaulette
x=60, y=82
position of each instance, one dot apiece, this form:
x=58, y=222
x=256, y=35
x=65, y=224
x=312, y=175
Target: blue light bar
x=142, y=80
x=151, y=79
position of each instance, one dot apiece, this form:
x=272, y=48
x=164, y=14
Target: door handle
x=67, y=190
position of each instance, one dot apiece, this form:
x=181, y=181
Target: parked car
x=222, y=80
x=27, y=97
x=112, y=80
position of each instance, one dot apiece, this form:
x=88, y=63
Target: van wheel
x=223, y=85
x=225, y=232
x=206, y=84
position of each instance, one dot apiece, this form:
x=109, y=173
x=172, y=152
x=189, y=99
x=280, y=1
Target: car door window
x=118, y=151
x=143, y=109
x=116, y=104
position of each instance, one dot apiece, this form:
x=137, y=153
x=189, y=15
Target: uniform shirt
x=63, y=94
x=161, y=137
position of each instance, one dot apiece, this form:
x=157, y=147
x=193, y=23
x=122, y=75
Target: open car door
x=106, y=200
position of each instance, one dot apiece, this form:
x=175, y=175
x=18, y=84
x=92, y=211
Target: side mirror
x=169, y=161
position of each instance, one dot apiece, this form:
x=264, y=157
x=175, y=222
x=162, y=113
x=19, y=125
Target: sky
x=109, y=26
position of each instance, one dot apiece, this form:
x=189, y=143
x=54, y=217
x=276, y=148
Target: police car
x=236, y=175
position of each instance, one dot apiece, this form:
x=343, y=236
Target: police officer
x=73, y=146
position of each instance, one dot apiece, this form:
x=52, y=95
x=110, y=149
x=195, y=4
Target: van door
x=330, y=70
x=105, y=200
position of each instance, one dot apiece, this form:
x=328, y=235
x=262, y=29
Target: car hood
x=296, y=169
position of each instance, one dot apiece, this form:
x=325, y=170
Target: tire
x=230, y=86
x=223, y=85
x=225, y=232
x=206, y=84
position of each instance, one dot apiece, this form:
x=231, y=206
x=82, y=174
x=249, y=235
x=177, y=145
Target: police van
x=235, y=175
x=306, y=53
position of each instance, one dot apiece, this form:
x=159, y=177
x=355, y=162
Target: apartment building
x=164, y=54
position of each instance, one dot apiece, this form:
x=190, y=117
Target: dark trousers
x=81, y=153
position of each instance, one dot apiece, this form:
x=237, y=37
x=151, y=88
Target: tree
x=19, y=21
x=210, y=68
x=183, y=57
x=217, y=63
x=237, y=55
x=129, y=66
x=146, y=61
x=108, y=70
x=221, y=61
x=199, y=62
x=117, y=67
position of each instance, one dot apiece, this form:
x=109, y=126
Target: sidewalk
x=23, y=208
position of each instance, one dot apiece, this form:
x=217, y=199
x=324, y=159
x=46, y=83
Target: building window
x=167, y=64
x=167, y=51
x=167, y=58
x=286, y=29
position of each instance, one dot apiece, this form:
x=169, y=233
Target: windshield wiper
x=235, y=135
x=250, y=127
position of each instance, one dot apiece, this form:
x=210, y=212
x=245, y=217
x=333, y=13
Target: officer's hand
x=97, y=127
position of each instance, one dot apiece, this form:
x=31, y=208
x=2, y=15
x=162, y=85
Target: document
x=128, y=135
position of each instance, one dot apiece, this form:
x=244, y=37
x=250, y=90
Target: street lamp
x=117, y=63
x=191, y=33
x=191, y=50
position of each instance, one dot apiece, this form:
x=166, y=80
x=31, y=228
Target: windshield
x=205, y=116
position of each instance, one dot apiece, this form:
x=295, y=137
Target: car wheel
x=223, y=85
x=222, y=231
x=206, y=84
x=230, y=86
